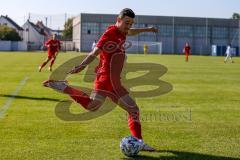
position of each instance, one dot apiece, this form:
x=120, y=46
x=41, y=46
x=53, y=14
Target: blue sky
x=17, y=10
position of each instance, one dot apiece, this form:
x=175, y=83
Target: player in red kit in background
x=186, y=50
x=108, y=81
x=53, y=46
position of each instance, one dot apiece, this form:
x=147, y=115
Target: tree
x=8, y=34
x=68, y=28
x=236, y=16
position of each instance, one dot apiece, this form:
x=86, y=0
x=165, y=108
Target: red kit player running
x=186, y=50
x=53, y=46
x=107, y=82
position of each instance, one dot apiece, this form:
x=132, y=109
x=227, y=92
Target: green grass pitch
x=199, y=119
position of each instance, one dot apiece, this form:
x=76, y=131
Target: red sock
x=79, y=96
x=135, y=124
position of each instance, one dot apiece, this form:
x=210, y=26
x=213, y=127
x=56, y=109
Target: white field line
x=9, y=101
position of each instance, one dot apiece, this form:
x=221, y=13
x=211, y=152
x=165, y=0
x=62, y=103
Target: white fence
x=67, y=46
x=13, y=46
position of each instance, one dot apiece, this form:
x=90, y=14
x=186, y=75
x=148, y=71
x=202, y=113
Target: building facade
x=174, y=32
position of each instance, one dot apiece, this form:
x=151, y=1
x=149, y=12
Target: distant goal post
x=141, y=47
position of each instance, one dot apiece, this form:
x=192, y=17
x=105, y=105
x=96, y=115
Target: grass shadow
x=180, y=155
x=30, y=98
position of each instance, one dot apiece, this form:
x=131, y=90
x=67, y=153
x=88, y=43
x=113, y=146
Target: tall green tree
x=68, y=29
x=236, y=16
x=9, y=34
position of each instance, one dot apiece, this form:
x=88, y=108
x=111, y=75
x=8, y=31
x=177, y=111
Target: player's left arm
x=135, y=31
x=48, y=43
x=58, y=48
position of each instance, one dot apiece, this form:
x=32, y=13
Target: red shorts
x=51, y=54
x=110, y=88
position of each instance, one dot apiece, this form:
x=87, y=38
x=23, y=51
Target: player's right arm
x=91, y=56
x=94, y=53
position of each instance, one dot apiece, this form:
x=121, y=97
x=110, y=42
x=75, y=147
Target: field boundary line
x=9, y=101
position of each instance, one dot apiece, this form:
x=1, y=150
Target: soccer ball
x=130, y=146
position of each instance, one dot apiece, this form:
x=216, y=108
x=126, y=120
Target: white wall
x=5, y=45
x=13, y=46
x=36, y=40
x=68, y=44
x=76, y=32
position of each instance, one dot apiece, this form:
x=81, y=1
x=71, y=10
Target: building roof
x=12, y=22
x=45, y=29
x=39, y=30
x=161, y=20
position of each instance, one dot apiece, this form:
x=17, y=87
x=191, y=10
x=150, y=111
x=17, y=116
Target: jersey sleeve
x=104, y=39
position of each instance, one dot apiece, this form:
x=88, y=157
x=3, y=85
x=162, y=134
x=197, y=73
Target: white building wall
x=35, y=39
x=77, y=32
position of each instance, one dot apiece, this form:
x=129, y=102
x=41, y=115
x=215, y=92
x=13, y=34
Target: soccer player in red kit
x=186, y=50
x=107, y=83
x=53, y=46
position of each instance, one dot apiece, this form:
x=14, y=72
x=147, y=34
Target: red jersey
x=112, y=54
x=187, y=49
x=53, y=46
x=112, y=59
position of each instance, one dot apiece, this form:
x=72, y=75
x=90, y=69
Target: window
x=199, y=31
x=88, y=31
x=165, y=30
x=234, y=33
x=219, y=32
x=90, y=28
x=104, y=27
x=183, y=31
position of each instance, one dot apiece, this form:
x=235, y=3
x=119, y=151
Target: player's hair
x=126, y=12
